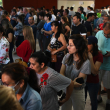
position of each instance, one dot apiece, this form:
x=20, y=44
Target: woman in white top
x=34, y=14
x=4, y=49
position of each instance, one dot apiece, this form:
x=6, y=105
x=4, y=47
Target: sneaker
x=99, y=101
x=103, y=91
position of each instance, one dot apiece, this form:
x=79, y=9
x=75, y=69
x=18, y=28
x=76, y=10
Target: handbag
x=54, y=57
x=21, y=62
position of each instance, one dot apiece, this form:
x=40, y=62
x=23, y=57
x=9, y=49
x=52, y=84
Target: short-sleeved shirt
x=72, y=72
x=88, y=26
x=31, y=99
x=39, y=27
x=72, y=13
x=19, y=28
x=82, y=16
x=51, y=82
x=104, y=46
x=95, y=78
x=34, y=28
x=13, y=22
x=10, y=31
x=99, y=21
x=47, y=27
x=80, y=29
x=101, y=26
x=4, y=51
x=26, y=19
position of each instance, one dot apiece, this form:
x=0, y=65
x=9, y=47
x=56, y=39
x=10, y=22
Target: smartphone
x=80, y=80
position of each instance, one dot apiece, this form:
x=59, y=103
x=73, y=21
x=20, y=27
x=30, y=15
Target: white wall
x=69, y=3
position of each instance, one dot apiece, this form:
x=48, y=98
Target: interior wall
x=8, y=4
x=68, y=3
x=101, y=3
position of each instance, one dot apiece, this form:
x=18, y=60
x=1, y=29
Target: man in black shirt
x=88, y=25
x=78, y=28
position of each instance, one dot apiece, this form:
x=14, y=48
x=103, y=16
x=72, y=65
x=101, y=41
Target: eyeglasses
x=1, y=83
x=107, y=35
x=70, y=45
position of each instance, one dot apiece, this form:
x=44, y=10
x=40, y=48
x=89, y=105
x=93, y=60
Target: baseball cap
x=92, y=40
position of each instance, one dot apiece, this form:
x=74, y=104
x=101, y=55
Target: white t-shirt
x=35, y=19
x=53, y=18
x=72, y=13
x=91, y=12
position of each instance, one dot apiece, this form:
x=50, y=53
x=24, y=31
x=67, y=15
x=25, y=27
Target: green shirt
x=82, y=16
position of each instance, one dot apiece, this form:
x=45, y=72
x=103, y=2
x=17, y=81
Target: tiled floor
x=101, y=106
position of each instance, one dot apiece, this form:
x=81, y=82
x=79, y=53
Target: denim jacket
x=31, y=99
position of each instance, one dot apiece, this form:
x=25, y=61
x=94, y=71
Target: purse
x=54, y=57
x=21, y=62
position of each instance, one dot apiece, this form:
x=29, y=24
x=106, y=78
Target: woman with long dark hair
x=76, y=64
x=50, y=81
x=58, y=43
x=24, y=83
x=9, y=34
x=65, y=27
x=96, y=59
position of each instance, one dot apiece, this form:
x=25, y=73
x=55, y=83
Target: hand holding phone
x=80, y=80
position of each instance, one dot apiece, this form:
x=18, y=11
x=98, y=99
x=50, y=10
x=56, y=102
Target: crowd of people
x=74, y=58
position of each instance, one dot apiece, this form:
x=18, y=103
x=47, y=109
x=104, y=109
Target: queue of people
x=74, y=58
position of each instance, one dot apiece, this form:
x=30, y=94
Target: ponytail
x=59, y=31
x=42, y=57
x=33, y=80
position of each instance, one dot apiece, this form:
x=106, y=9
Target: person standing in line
x=103, y=37
x=76, y=64
x=47, y=31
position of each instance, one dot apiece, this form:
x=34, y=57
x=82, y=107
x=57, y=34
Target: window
x=1, y=3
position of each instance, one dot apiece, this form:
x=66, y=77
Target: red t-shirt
x=101, y=26
x=91, y=78
x=24, y=50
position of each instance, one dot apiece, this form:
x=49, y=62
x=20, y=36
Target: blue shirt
x=19, y=28
x=34, y=27
x=26, y=19
x=104, y=46
x=47, y=27
x=13, y=22
x=31, y=99
x=95, y=21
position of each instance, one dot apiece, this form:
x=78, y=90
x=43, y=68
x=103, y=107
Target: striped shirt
x=52, y=82
x=72, y=72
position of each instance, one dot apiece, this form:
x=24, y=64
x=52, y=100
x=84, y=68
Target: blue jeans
x=93, y=89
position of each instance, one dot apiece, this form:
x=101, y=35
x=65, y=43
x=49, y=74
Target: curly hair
x=82, y=50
